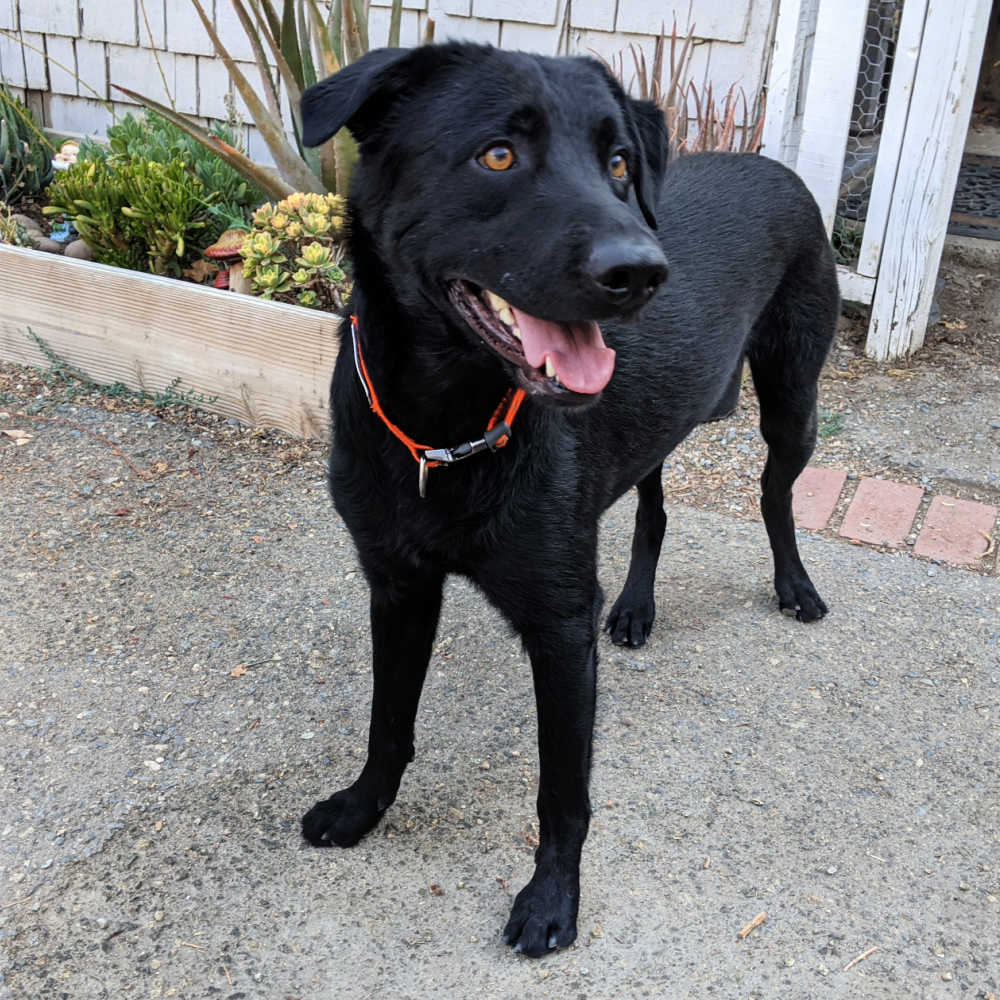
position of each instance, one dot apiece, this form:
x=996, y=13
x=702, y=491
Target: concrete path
x=185, y=669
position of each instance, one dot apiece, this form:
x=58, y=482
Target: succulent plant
x=25, y=153
x=133, y=212
x=12, y=231
x=153, y=198
x=295, y=249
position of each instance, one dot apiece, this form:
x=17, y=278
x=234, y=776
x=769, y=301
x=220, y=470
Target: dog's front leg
x=564, y=665
x=404, y=617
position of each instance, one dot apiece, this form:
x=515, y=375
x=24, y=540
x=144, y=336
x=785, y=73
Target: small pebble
x=49, y=246
x=78, y=249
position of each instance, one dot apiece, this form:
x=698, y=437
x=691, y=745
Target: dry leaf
x=18, y=437
x=160, y=466
x=200, y=270
x=239, y=670
x=955, y=324
x=437, y=890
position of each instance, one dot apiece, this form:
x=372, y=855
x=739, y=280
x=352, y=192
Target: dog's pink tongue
x=582, y=361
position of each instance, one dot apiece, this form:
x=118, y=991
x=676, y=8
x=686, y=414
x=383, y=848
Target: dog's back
x=751, y=270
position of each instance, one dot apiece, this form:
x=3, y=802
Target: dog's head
x=516, y=192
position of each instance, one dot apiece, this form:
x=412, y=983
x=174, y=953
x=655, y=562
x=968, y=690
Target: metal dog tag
x=422, y=477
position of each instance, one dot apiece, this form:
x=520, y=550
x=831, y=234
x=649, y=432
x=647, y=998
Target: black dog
x=503, y=204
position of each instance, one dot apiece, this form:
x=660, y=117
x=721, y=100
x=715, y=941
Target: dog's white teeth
x=506, y=315
x=496, y=303
x=550, y=368
x=516, y=330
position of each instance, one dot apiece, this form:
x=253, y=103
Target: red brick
x=815, y=495
x=881, y=512
x=956, y=531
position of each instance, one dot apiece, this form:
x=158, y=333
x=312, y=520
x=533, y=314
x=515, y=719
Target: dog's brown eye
x=497, y=158
x=618, y=166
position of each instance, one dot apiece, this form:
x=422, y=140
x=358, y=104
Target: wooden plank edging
x=268, y=364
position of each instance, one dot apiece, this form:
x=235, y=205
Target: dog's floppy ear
x=649, y=132
x=339, y=99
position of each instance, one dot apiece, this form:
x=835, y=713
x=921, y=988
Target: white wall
x=144, y=44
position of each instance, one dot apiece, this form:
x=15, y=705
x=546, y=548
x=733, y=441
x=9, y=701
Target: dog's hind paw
x=543, y=917
x=343, y=819
x=630, y=622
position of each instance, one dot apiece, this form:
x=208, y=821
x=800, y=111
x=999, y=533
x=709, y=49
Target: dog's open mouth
x=551, y=358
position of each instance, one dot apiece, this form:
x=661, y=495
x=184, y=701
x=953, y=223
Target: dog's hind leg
x=726, y=406
x=631, y=617
x=786, y=355
x=404, y=619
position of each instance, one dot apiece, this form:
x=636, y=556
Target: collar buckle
x=494, y=438
x=496, y=435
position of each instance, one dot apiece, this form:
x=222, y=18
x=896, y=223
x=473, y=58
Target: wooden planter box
x=267, y=364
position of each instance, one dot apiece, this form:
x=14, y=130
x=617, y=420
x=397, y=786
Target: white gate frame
x=934, y=75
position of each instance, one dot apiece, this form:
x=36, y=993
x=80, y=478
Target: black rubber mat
x=976, y=208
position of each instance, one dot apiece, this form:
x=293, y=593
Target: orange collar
x=497, y=434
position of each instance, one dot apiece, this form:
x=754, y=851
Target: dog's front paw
x=342, y=819
x=544, y=915
x=799, y=598
x=630, y=621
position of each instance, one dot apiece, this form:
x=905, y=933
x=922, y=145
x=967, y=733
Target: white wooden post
x=943, y=89
x=783, y=83
x=897, y=110
x=826, y=119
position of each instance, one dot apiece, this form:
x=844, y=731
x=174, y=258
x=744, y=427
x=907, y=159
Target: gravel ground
x=185, y=669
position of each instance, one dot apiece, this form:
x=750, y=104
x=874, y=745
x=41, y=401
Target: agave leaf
x=395, y=23
x=29, y=124
x=270, y=90
x=354, y=46
x=751, y=144
x=361, y=9
x=264, y=179
x=347, y=155
x=327, y=166
x=290, y=165
x=284, y=70
x=326, y=54
x=335, y=29
x=273, y=21
x=658, y=50
x=728, y=131
x=305, y=47
x=290, y=48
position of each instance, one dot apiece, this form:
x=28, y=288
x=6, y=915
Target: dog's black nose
x=627, y=272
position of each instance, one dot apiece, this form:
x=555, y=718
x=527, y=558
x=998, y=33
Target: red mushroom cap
x=227, y=246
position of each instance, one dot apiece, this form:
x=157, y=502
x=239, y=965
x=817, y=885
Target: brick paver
x=881, y=512
x=815, y=495
x=956, y=532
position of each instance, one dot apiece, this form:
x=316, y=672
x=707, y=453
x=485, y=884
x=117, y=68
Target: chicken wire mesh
x=871, y=92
